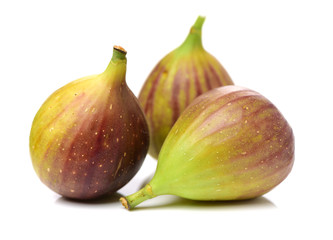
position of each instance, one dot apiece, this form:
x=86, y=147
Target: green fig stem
x=144, y=194
x=119, y=53
x=197, y=26
x=193, y=39
x=116, y=69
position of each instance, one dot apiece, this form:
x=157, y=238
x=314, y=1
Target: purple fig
x=231, y=143
x=90, y=137
x=177, y=79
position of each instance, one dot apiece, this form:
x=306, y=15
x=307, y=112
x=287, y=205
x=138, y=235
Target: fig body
x=182, y=75
x=90, y=137
x=230, y=143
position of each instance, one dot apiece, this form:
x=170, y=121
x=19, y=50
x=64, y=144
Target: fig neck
x=138, y=197
x=193, y=39
x=116, y=70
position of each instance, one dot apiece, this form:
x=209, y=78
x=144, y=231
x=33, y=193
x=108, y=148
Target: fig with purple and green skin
x=182, y=75
x=90, y=137
x=230, y=143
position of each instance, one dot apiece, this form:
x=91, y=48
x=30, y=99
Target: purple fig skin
x=90, y=137
x=181, y=76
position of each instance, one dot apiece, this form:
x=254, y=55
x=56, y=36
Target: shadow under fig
x=174, y=202
x=166, y=202
x=107, y=199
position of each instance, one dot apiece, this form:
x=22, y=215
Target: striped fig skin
x=176, y=80
x=230, y=143
x=90, y=137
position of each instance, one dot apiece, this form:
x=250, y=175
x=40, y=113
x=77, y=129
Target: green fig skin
x=90, y=137
x=176, y=80
x=231, y=143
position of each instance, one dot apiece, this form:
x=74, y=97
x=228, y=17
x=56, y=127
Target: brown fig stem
x=131, y=201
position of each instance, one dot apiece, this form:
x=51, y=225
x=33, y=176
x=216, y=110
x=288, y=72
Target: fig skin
x=231, y=143
x=182, y=75
x=90, y=137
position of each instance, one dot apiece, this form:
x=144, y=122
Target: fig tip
x=120, y=49
x=124, y=202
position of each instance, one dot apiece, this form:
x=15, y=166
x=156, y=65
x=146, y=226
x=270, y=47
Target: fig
x=90, y=137
x=182, y=75
x=230, y=143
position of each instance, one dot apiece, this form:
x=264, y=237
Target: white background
x=282, y=49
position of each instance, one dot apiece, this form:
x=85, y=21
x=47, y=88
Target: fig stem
x=197, y=26
x=193, y=39
x=116, y=69
x=138, y=197
x=119, y=53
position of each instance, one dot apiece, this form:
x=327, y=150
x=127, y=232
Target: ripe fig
x=230, y=143
x=90, y=137
x=176, y=80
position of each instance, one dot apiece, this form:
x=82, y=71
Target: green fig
x=230, y=143
x=90, y=137
x=182, y=75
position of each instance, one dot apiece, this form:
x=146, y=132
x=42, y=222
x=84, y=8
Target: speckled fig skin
x=176, y=80
x=90, y=137
x=231, y=143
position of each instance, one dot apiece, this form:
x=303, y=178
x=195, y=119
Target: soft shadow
x=146, y=181
x=185, y=204
x=104, y=200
